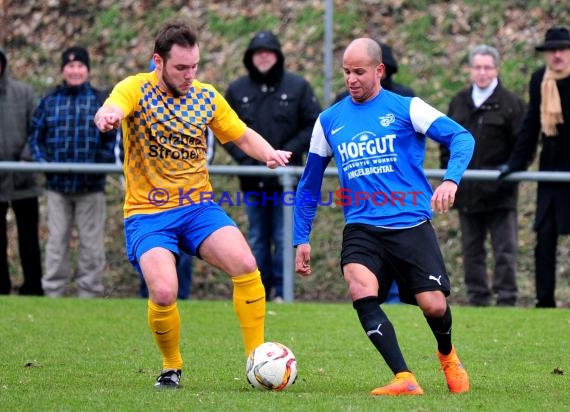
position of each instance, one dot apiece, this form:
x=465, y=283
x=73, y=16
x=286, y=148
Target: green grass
x=240, y=26
x=69, y=354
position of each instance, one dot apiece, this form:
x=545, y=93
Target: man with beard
x=165, y=115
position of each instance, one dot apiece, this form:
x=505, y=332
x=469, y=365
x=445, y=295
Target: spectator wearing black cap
x=547, y=120
x=18, y=191
x=63, y=131
x=282, y=107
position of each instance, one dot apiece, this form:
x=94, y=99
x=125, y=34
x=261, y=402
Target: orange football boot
x=455, y=374
x=404, y=383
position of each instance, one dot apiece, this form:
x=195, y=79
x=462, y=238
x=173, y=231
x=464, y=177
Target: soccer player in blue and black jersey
x=378, y=139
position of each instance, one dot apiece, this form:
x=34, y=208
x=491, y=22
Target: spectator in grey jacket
x=18, y=191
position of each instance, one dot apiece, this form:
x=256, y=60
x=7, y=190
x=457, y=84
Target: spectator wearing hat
x=63, y=131
x=18, y=191
x=282, y=107
x=547, y=121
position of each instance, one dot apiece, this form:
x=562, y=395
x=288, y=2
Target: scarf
x=480, y=95
x=550, y=106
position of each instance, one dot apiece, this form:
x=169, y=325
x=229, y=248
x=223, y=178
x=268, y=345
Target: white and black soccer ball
x=271, y=366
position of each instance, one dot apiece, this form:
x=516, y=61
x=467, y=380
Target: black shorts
x=410, y=256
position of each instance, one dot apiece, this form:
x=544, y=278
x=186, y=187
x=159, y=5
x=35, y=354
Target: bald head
x=363, y=69
x=365, y=50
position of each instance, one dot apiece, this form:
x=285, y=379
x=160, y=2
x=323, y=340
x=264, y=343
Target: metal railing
x=287, y=176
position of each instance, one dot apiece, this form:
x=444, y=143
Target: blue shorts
x=183, y=228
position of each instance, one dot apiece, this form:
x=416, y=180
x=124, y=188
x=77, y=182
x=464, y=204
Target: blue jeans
x=184, y=272
x=266, y=241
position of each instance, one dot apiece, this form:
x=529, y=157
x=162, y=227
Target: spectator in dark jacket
x=282, y=107
x=548, y=118
x=63, y=131
x=492, y=114
x=18, y=191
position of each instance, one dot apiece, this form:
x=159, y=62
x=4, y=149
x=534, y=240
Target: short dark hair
x=175, y=32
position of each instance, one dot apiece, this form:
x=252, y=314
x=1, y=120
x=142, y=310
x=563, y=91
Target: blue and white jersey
x=379, y=150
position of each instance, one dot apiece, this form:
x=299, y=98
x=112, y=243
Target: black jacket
x=278, y=105
x=494, y=126
x=554, y=156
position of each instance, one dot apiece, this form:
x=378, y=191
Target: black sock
x=380, y=332
x=441, y=328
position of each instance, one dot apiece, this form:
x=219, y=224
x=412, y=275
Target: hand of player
x=278, y=158
x=443, y=196
x=303, y=259
x=108, y=121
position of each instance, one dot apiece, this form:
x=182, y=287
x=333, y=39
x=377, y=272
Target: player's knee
x=358, y=290
x=359, y=286
x=245, y=264
x=250, y=265
x=433, y=303
x=163, y=295
x=434, y=309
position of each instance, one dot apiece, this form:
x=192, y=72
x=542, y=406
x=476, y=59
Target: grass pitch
x=98, y=355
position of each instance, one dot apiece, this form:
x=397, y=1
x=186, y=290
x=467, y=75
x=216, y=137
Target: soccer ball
x=271, y=366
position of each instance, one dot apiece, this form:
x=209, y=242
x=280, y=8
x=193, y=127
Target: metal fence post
x=288, y=182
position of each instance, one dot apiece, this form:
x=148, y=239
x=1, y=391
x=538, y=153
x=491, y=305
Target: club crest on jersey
x=387, y=120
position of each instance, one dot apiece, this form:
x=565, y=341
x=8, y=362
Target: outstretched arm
x=257, y=147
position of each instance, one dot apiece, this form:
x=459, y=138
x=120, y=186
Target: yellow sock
x=164, y=322
x=249, y=304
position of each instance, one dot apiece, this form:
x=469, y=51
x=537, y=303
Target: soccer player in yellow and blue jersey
x=164, y=116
